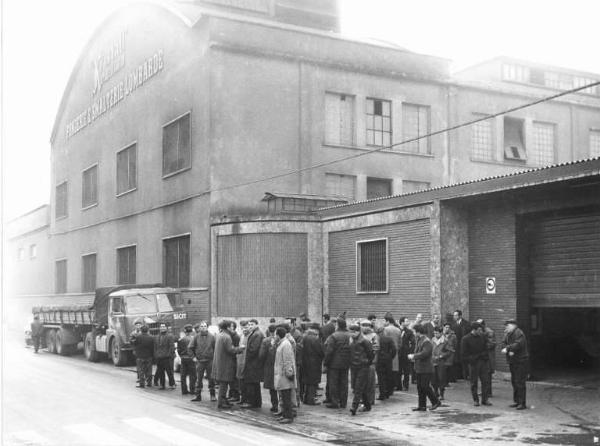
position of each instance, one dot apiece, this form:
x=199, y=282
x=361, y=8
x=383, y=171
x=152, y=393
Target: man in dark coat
x=37, y=329
x=253, y=366
x=202, y=352
x=361, y=357
x=337, y=361
x=423, y=369
x=387, y=352
x=143, y=346
x=267, y=353
x=188, y=368
x=312, y=362
x=164, y=352
x=224, y=361
x=328, y=328
x=475, y=354
x=234, y=387
x=406, y=346
x=461, y=327
x=514, y=346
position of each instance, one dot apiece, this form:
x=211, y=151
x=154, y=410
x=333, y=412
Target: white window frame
x=183, y=169
x=94, y=253
x=66, y=214
x=117, y=261
x=91, y=205
x=33, y=251
x=387, y=265
x=120, y=194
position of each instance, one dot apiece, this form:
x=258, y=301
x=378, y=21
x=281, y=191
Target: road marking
x=27, y=438
x=169, y=434
x=96, y=435
x=259, y=438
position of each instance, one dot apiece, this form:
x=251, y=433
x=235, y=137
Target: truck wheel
x=89, y=349
x=51, y=341
x=119, y=356
x=62, y=348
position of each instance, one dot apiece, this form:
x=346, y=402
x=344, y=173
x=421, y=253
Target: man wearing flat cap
x=514, y=346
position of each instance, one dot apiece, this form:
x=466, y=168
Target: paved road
x=54, y=400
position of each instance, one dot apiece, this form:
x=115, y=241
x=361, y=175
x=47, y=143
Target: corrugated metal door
x=565, y=261
x=262, y=275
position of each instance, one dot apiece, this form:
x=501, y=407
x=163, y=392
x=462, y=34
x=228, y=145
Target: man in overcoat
x=268, y=349
x=284, y=374
x=312, y=362
x=392, y=331
x=337, y=361
x=224, y=361
x=406, y=346
x=164, y=353
x=423, y=369
x=252, y=372
x=514, y=346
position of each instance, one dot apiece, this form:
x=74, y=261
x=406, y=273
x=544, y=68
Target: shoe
x=234, y=400
x=149, y=385
x=246, y=406
x=381, y=398
x=141, y=386
x=486, y=403
x=213, y=398
x=521, y=407
x=365, y=409
x=224, y=406
x=514, y=405
x=185, y=393
x=286, y=421
x=435, y=406
x=326, y=401
x=162, y=388
x=419, y=409
x=332, y=406
x=353, y=411
x=274, y=409
x=476, y=404
x=198, y=398
x=278, y=414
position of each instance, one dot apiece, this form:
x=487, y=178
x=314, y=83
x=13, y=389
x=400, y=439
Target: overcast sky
x=42, y=39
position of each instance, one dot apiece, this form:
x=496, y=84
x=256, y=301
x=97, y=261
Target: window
x=61, y=200
x=415, y=123
x=482, y=140
x=371, y=266
x=21, y=254
x=60, y=278
x=176, y=261
x=339, y=119
x=513, y=72
x=558, y=80
x=32, y=251
x=89, y=187
x=581, y=81
x=88, y=273
x=378, y=187
x=514, y=143
x=340, y=185
x=117, y=305
x=542, y=149
x=594, y=143
x=127, y=169
x=413, y=186
x=177, y=148
x=126, y=265
x=379, y=123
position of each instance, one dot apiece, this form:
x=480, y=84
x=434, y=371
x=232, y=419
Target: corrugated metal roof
x=273, y=195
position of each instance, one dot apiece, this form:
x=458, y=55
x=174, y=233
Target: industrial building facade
x=176, y=120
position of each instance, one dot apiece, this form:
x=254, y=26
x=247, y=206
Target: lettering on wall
x=251, y=5
x=106, y=66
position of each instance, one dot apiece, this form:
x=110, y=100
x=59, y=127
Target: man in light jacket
x=284, y=374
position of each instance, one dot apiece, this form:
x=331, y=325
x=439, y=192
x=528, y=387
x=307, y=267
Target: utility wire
x=417, y=138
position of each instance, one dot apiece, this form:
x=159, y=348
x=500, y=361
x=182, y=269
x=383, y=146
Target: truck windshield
x=163, y=303
x=141, y=303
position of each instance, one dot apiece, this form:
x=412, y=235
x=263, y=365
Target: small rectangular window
x=379, y=123
x=177, y=147
x=60, y=282
x=560, y=81
x=341, y=185
x=61, y=200
x=415, y=123
x=127, y=169
x=126, y=265
x=176, y=262
x=378, y=187
x=514, y=142
x=582, y=81
x=88, y=273
x=371, y=266
x=89, y=187
x=482, y=140
x=542, y=149
x=594, y=143
x=117, y=305
x=32, y=251
x=339, y=119
x=516, y=73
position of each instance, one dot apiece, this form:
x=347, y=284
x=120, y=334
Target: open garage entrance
x=558, y=287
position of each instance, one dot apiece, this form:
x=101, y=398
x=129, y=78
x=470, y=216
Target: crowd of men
x=373, y=359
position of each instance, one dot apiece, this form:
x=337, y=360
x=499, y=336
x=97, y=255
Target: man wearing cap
x=252, y=372
x=36, y=332
x=188, y=368
x=337, y=361
x=312, y=363
x=361, y=358
x=137, y=325
x=164, y=352
x=514, y=346
x=202, y=350
x=475, y=354
x=490, y=338
x=143, y=345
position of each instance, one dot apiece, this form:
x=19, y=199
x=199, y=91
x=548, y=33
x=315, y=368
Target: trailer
x=105, y=325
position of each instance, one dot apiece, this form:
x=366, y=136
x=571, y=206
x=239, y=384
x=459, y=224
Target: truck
x=104, y=326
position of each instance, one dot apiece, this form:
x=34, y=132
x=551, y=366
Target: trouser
x=300, y=383
x=465, y=369
x=242, y=390
x=439, y=379
x=479, y=371
x=384, y=377
x=188, y=369
x=203, y=367
x=36, y=342
x=360, y=383
x=252, y=394
x=164, y=365
x=223, y=385
x=338, y=386
x=234, y=389
x=144, y=368
x=310, y=393
x=518, y=379
x=424, y=389
x=286, y=403
x=406, y=369
x=274, y=398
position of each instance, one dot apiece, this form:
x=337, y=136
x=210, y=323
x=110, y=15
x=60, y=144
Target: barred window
x=371, y=266
x=126, y=265
x=594, y=143
x=60, y=281
x=176, y=261
x=379, y=123
x=177, y=147
x=88, y=273
x=89, y=187
x=127, y=169
x=542, y=149
x=341, y=185
x=61, y=200
x=339, y=119
x=378, y=187
x=415, y=123
x=482, y=140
